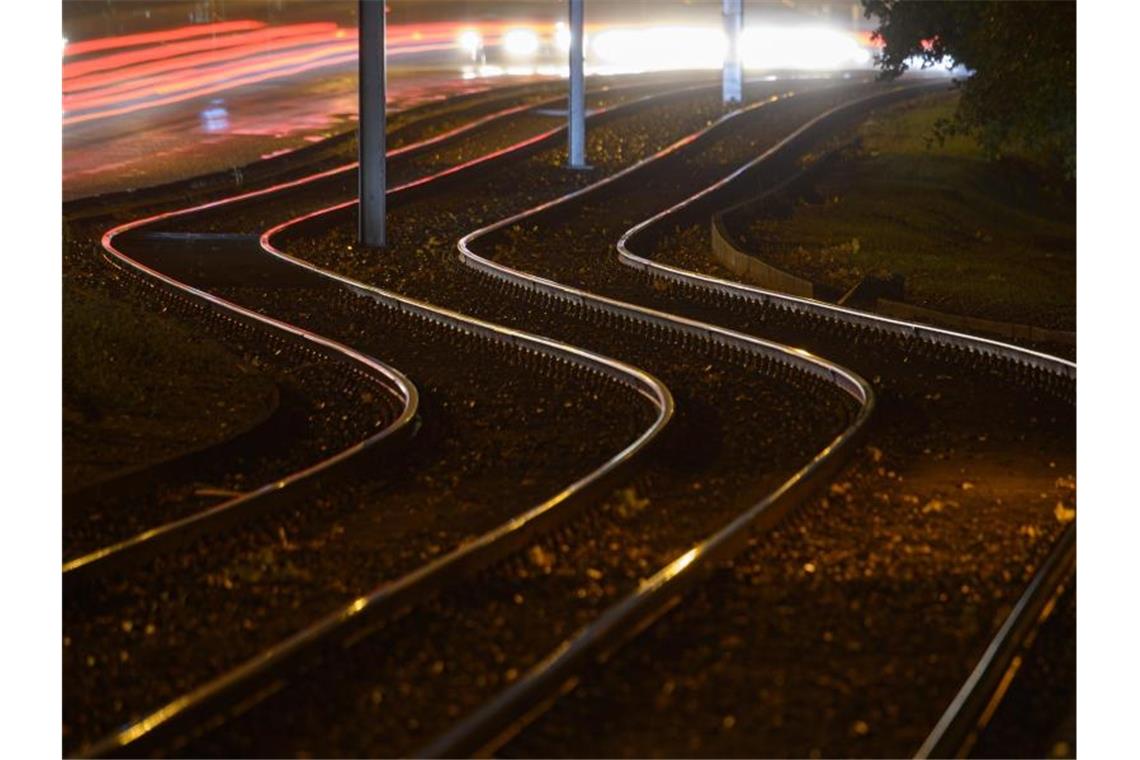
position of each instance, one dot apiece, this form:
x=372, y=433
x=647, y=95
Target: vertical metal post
x=371, y=126
x=731, y=82
x=577, y=87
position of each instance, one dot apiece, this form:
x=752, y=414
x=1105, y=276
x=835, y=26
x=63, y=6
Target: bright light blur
x=470, y=40
x=118, y=75
x=520, y=42
x=945, y=67
x=663, y=48
x=660, y=48
x=215, y=118
x=562, y=36
x=812, y=48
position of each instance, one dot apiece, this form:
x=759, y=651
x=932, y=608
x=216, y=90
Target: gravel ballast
x=740, y=429
x=877, y=594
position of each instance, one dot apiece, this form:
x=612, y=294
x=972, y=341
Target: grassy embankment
x=139, y=387
x=971, y=236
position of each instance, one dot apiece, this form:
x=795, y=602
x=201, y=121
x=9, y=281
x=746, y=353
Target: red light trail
x=150, y=38
x=162, y=76
x=152, y=69
x=248, y=40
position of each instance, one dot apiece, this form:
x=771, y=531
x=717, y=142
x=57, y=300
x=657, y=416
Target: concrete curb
x=753, y=268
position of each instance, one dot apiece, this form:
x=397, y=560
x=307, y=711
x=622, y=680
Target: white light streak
x=662, y=48
x=470, y=40
x=520, y=42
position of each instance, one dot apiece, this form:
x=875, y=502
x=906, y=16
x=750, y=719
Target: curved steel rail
x=1051, y=364
x=969, y=711
x=261, y=673
x=345, y=624
x=518, y=704
x=961, y=718
x=150, y=543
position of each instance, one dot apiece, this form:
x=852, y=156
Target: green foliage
x=1021, y=91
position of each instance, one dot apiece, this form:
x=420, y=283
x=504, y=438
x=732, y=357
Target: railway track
x=1047, y=382
x=448, y=157
x=606, y=622
x=967, y=715
x=579, y=376
x=105, y=525
x=115, y=503
x=173, y=246
x=660, y=342
x=181, y=713
x=396, y=402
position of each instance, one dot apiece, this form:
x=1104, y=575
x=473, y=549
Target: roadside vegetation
x=1016, y=67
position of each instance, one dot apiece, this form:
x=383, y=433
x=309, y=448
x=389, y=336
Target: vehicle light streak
x=199, y=77
x=160, y=68
x=166, y=35
x=283, y=72
x=282, y=39
x=470, y=40
x=164, y=67
x=520, y=42
x=186, y=76
x=168, y=75
x=119, y=60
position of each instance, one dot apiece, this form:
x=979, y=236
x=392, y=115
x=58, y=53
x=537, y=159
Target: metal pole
x=577, y=88
x=372, y=124
x=733, y=69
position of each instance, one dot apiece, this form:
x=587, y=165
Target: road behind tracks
x=410, y=162
x=743, y=425
x=496, y=420
x=422, y=122
x=849, y=628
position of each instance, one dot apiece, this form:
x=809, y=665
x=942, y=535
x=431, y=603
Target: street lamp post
x=577, y=108
x=371, y=126
x=733, y=69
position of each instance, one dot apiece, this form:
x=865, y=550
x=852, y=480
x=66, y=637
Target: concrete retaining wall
x=753, y=269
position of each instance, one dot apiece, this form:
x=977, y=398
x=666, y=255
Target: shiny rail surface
x=266, y=671
x=665, y=586
x=982, y=689
x=155, y=541
x=969, y=711
x=493, y=724
x=150, y=543
x=785, y=147
x=511, y=709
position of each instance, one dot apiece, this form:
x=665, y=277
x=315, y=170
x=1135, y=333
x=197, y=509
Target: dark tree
x=1021, y=63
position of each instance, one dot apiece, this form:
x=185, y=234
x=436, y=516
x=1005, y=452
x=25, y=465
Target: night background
x=541, y=378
